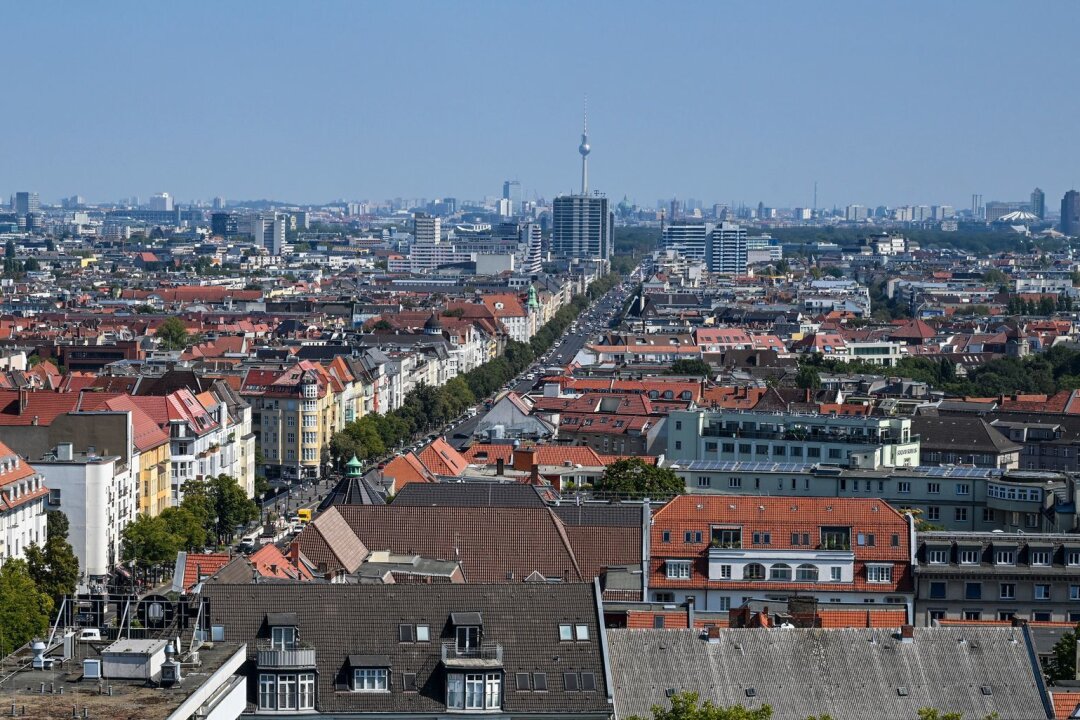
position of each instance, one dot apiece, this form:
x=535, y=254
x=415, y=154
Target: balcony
x=291, y=656
x=486, y=655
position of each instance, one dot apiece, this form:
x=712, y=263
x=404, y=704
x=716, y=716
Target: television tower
x=584, y=150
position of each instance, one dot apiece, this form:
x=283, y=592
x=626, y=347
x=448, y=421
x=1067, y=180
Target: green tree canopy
x=173, y=334
x=1062, y=665
x=685, y=706
x=148, y=542
x=54, y=568
x=690, y=366
x=183, y=523
x=24, y=608
x=634, y=478
x=808, y=378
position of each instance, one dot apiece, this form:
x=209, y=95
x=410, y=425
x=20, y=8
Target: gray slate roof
x=849, y=674
x=469, y=494
x=971, y=434
x=343, y=621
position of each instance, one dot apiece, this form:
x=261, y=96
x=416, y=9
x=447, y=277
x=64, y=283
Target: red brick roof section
x=781, y=517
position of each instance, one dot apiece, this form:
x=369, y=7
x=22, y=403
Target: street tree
x=54, y=567
x=685, y=706
x=148, y=543
x=1062, y=665
x=25, y=609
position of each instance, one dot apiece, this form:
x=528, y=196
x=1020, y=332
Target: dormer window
x=468, y=638
x=282, y=638
x=369, y=680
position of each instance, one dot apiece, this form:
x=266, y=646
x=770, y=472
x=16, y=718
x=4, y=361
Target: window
x=969, y=557
x=1072, y=558
x=267, y=692
x=468, y=638
x=521, y=681
x=725, y=572
x=1042, y=592
x=933, y=512
x=963, y=489
x=282, y=638
x=754, y=571
x=539, y=681
x=1031, y=520
x=664, y=597
x=581, y=632
x=903, y=486
x=704, y=481
x=894, y=540
x=678, y=569
x=307, y=691
x=1008, y=591
x=666, y=536
x=369, y=679
x=678, y=444
x=879, y=573
x=989, y=515
x=727, y=537
x=588, y=682
x=570, y=681
x=814, y=452
x=780, y=571
x=1074, y=592
x=1005, y=557
x=286, y=692
x=806, y=573
x=973, y=614
x=835, y=574
x=973, y=591
x=423, y=633
x=492, y=691
x=728, y=447
x=1040, y=557
x=734, y=482
x=566, y=632
x=937, y=591
x=405, y=633
x=678, y=424
x=960, y=514
x=658, y=622
x=937, y=557
x=933, y=488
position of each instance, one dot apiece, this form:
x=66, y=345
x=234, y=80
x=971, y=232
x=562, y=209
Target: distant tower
x=1038, y=203
x=584, y=150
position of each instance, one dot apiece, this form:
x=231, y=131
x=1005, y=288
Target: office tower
x=855, y=213
x=26, y=203
x=512, y=193
x=686, y=238
x=726, y=249
x=224, y=225
x=268, y=229
x=219, y=203
x=582, y=225
x=504, y=208
x=161, y=202
x=1070, y=213
x=1038, y=203
x=532, y=237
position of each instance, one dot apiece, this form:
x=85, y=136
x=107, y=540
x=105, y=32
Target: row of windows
x=1006, y=591
x=287, y=692
x=781, y=572
x=1001, y=557
x=732, y=538
x=1005, y=615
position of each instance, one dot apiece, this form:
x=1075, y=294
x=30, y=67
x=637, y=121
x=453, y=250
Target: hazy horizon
x=880, y=103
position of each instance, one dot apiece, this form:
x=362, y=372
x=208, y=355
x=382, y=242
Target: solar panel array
x=774, y=467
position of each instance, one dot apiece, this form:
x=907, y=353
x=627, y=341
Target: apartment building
x=846, y=441
x=950, y=497
x=997, y=576
x=22, y=505
x=98, y=494
x=294, y=414
x=724, y=551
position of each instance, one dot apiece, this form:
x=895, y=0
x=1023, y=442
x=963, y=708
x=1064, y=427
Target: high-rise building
x=219, y=203
x=582, y=226
x=224, y=225
x=1070, y=213
x=686, y=238
x=1038, y=203
x=855, y=213
x=268, y=229
x=26, y=203
x=532, y=238
x=512, y=193
x=161, y=202
x=726, y=249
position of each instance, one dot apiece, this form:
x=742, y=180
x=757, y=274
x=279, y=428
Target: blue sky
x=880, y=102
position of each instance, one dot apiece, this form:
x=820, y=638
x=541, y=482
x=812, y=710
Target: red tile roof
x=441, y=459
x=198, y=565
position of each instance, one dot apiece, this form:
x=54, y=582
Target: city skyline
x=925, y=116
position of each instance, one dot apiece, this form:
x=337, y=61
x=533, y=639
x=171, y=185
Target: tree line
x=1045, y=373
x=426, y=408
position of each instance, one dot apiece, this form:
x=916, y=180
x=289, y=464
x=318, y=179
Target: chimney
x=534, y=474
x=690, y=613
x=500, y=467
x=713, y=634
x=907, y=633
x=24, y=398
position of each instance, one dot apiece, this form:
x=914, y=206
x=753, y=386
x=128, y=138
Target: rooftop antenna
x=584, y=150
x=815, y=196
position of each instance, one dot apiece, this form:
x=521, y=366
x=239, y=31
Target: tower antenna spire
x=584, y=150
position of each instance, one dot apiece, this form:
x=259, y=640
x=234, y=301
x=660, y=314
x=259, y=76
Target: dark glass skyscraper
x=1070, y=213
x=1038, y=203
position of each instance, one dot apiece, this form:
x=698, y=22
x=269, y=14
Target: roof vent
x=670, y=692
x=986, y=690
x=902, y=691
x=751, y=692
